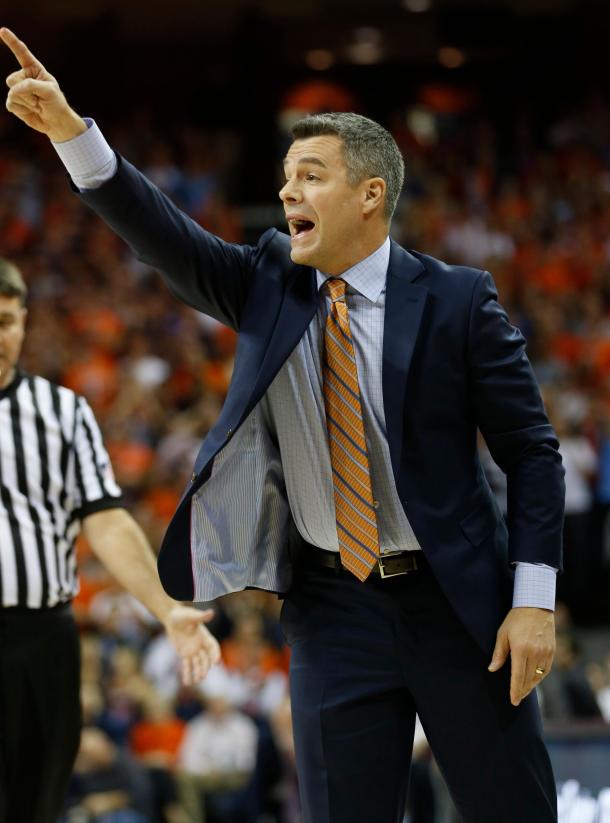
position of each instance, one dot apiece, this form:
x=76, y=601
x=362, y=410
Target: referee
x=56, y=480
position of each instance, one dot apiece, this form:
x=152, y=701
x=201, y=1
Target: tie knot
x=336, y=288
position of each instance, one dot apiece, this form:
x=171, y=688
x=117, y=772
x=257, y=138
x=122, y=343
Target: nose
x=289, y=193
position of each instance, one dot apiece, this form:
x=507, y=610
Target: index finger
x=24, y=56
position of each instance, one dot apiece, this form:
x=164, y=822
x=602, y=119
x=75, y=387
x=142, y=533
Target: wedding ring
x=539, y=670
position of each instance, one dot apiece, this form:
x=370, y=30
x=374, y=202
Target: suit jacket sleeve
x=198, y=267
x=511, y=417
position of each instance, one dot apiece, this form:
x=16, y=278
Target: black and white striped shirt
x=54, y=470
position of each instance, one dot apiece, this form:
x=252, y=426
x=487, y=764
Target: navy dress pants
x=365, y=658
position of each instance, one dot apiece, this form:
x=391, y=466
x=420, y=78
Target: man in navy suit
x=417, y=604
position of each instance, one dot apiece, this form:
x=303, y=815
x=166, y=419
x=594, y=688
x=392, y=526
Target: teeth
x=299, y=224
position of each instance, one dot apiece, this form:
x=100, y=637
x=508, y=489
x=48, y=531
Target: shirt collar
x=368, y=276
x=12, y=386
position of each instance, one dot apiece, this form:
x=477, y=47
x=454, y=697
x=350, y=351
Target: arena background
x=502, y=110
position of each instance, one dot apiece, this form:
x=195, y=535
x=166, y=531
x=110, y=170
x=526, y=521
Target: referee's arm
x=120, y=544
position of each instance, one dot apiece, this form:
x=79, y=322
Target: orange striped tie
x=354, y=503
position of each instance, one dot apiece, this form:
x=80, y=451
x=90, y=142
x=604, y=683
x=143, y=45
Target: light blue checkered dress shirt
x=293, y=409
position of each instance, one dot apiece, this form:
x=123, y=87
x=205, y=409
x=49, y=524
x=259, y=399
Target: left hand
x=528, y=635
x=197, y=648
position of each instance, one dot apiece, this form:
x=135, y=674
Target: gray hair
x=11, y=281
x=369, y=150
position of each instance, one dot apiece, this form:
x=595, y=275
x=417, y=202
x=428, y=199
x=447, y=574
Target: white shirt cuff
x=88, y=158
x=535, y=586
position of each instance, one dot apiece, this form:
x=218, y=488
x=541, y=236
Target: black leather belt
x=390, y=564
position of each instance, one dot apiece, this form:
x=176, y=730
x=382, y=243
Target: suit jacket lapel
x=404, y=306
x=259, y=357
x=298, y=308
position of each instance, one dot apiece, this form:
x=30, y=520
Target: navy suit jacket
x=452, y=363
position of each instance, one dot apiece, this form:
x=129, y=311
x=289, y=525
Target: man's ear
x=373, y=194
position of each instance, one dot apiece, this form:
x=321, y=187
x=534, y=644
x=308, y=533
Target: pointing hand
x=35, y=97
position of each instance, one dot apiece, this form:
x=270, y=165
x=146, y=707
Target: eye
x=311, y=176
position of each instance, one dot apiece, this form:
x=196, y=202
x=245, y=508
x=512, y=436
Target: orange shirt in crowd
x=95, y=376
x=157, y=736
x=162, y=501
x=131, y=461
x=240, y=658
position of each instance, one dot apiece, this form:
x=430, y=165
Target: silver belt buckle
x=382, y=571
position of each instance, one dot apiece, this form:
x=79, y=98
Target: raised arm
x=200, y=269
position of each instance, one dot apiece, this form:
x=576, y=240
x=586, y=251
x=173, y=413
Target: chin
x=301, y=257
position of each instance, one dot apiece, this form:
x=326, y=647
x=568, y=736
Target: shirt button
x=375, y=504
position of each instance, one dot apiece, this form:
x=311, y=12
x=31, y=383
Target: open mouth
x=300, y=227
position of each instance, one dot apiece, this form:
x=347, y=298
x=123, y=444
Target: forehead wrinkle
x=312, y=161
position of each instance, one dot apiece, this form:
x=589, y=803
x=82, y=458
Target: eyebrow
x=312, y=161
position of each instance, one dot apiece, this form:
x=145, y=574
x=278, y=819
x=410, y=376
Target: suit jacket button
x=193, y=477
x=229, y=433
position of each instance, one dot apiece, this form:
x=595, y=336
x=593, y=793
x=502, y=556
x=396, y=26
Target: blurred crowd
x=159, y=752
x=533, y=207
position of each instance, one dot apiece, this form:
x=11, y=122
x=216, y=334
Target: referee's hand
x=197, y=648
x=35, y=97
